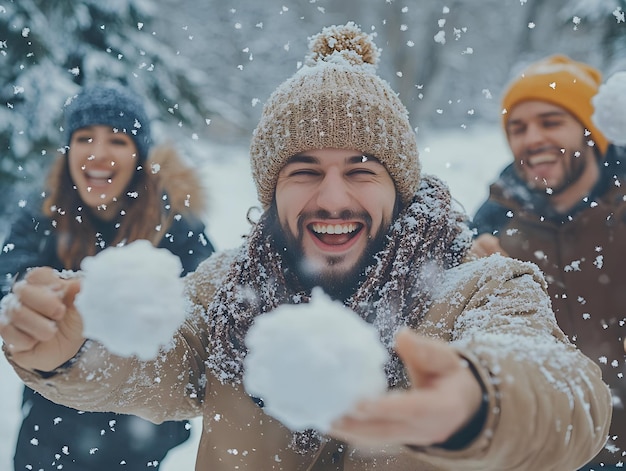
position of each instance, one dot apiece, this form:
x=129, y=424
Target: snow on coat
x=548, y=407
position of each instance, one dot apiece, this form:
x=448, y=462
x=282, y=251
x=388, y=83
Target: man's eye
x=303, y=172
x=361, y=171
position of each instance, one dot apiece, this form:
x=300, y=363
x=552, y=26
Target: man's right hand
x=485, y=245
x=39, y=325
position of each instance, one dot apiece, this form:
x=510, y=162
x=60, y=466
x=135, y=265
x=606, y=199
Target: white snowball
x=131, y=298
x=610, y=108
x=311, y=363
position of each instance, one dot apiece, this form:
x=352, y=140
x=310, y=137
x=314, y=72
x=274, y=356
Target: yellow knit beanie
x=335, y=100
x=563, y=82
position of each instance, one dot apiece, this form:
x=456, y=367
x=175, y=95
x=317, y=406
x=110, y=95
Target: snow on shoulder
x=609, y=104
x=131, y=298
x=311, y=363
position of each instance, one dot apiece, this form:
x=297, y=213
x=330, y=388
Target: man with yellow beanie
x=562, y=205
x=476, y=375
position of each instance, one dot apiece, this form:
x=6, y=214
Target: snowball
x=131, y=298
x=609, y=104
x=311, y=363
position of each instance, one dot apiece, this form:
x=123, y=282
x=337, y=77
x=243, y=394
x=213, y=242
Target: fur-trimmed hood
x=179, y=180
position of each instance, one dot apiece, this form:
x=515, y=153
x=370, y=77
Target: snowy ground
x=468, y=160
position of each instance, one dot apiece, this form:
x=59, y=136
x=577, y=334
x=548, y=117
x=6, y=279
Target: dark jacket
x=583, y=255
x=52, y=435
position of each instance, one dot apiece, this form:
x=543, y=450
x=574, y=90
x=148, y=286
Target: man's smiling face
x=549, y=145
x=334, y=207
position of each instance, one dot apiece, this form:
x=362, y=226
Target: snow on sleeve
x=131, y=298
x=311, y=363
x=609, y=104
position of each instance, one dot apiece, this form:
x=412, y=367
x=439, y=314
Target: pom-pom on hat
x=563, y=82
x=110, y=106
x=335, y=100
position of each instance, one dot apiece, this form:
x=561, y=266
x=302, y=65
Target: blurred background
x=207, y=66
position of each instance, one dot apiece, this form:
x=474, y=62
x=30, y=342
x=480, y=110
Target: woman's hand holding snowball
x=444, y=396
x=40, y=327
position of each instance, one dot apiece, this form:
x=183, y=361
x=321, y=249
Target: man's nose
x=333, y=193
x=534, y=134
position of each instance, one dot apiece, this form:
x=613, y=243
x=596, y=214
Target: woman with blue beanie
x=108, y=187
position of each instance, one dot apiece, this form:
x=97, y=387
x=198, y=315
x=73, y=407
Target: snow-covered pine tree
x=48, y=50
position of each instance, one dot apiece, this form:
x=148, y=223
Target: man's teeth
x=334, y=228
x=541, y=159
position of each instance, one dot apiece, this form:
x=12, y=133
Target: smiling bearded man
x=561, y=204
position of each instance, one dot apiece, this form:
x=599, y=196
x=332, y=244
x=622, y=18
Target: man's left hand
x=443, y=397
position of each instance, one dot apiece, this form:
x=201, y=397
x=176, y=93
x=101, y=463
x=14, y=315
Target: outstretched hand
x=39, y=325
x=443, y=397
x=485, y=245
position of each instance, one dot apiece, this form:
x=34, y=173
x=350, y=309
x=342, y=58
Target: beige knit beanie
x=335, y=100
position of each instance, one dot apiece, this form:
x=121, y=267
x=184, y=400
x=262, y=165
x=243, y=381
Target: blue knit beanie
x=110, y=106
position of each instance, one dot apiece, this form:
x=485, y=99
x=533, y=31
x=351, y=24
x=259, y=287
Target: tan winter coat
x=548, y=408
x=583, y=258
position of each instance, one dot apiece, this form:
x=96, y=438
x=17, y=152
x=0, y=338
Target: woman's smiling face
x=102, y=163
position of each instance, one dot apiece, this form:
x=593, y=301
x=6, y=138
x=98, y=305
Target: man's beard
x=339, y=285
x=571, y=175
